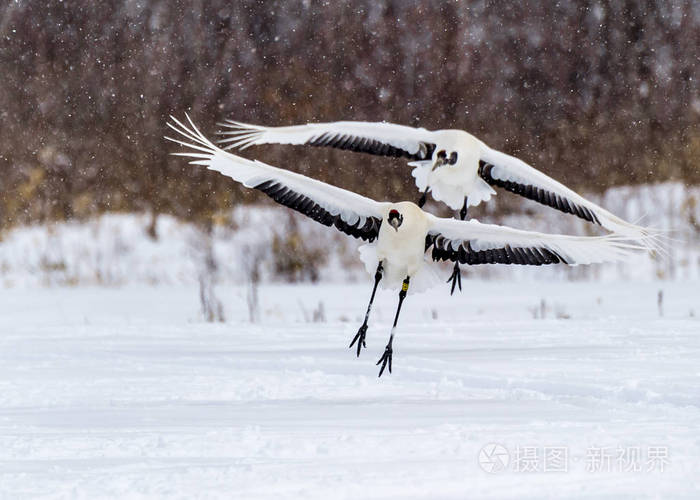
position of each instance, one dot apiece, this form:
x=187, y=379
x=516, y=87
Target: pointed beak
x=395, y=224
x=438, y=163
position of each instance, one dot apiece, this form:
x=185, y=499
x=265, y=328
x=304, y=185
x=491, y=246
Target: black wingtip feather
x=305, y=205
x=371, y=146
x=538, y=194
x=464, y=254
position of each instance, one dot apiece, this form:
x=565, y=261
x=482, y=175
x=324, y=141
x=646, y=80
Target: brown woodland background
x=596, y=93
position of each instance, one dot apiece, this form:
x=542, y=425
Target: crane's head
x=442, y=158
x=453, y=148
x=395, y=219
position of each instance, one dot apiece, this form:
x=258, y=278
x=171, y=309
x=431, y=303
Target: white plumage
x=399, y=234
x=403, y=250
x=453, y=165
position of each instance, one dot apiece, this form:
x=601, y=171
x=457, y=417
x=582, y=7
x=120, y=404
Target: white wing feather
x=350, y=206
x=574, y=249
x=243, y=135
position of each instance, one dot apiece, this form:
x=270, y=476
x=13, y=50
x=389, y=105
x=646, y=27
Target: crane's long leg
x=456, y=277
x=386, y=357
x=360, y=337
x=423, y=198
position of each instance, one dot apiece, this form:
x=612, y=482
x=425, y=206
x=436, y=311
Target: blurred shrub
x=295, y=259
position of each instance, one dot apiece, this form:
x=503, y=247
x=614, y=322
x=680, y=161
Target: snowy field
x=126, y=393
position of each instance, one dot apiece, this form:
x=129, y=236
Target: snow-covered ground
x=126, y=393
x=541, y=382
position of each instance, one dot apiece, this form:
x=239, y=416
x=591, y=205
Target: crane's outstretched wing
x=516, y=176
x=349, y=212
x=383, y=139
x=470, y=242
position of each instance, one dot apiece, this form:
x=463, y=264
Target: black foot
x=456, y=278
x=386, y=358
x=360, y=338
